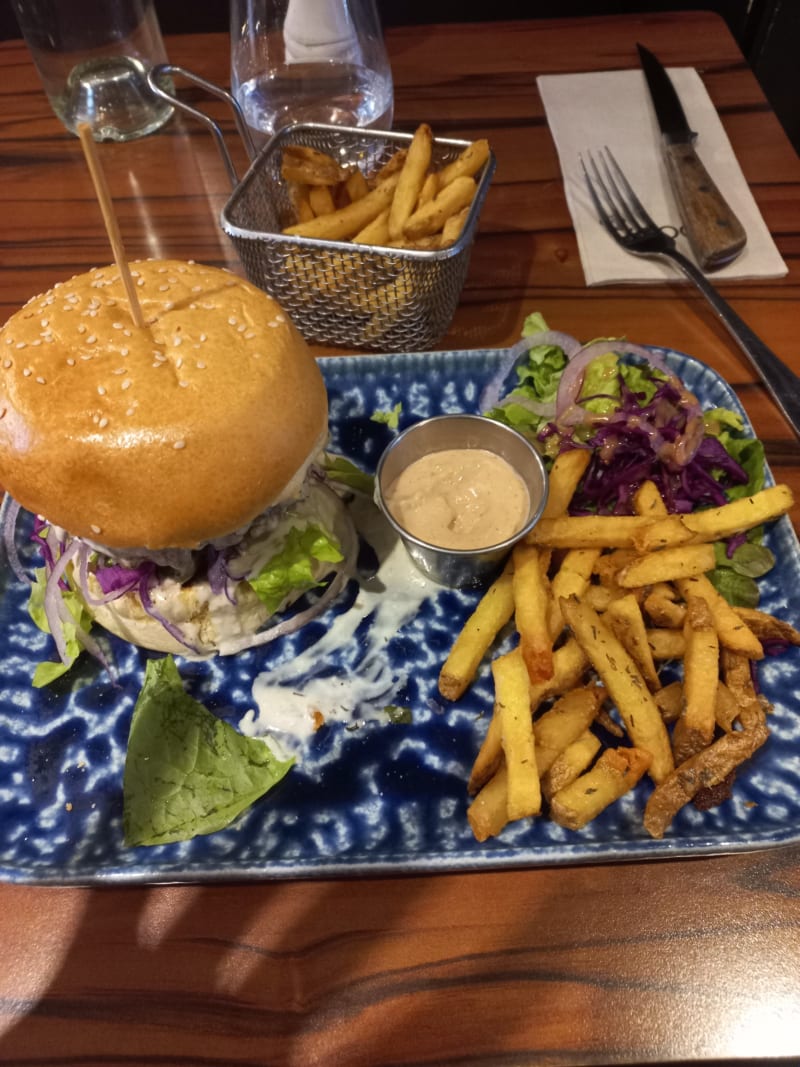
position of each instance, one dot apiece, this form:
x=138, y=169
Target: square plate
x=381, y=798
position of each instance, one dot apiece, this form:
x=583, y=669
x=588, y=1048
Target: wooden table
x=640, y=962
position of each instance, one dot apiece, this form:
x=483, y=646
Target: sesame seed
x=27, y=372
x=231, y=320
x=123, y=351
x=38, y=341
x=82, y=327
x=8, y=363
x=96, y=529
x=179, y=362
x=40, y=380
x=101, y=389
x=126, y=333
x=179, y=444
x=116, y=325
x=163, y=288
x=130, y=411
x=280, y=318
x=9, y=340
x=90, y=340
x=197, y=288
x=176, y=341
x=103, y=423
x=203, y=337
x=119, y=370
x=200, y=365
x=70, y=361
x=127, y=383
x=249, y=335
x=169, y=305
x=183, y=384
x=44, y=322
x=256, y=355
x=20, y=344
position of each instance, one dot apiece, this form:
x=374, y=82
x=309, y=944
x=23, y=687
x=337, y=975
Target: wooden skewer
x=110, y=220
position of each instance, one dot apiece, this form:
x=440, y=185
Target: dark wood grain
x=681, y=960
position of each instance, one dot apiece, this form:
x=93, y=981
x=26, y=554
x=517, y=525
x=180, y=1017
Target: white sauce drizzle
x=288, y=696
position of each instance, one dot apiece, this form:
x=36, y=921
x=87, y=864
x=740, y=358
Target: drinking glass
x=309, y=61
x=93, y=60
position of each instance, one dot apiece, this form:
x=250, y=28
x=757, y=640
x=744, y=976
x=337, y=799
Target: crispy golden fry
x=712, y=524
x=393, y=165
x=588, y=531
x=609, y=564
x=627, y=622
x=767, y=627
x=669, y=700
x=451, y=231
x=600, y=597
x=662, y=607
x=569, y=665
x=308, y=166
x=667, y=565
x=571, y=579
x=348, y=221
x=570, y=716
x=648, y=501
x=431, y=218
x=572, y=762
x=616, y=772
x=726, y=710
x=298, y=195
x=694, y=730
x=467, y=164
x=706, y=769
x=375, y=232
x=512, y=699
x=625, y=685
x=666, y=532
x=356, y=185
x=321, y=199
x=487, y=814
x=666, y=644
x=531, y=610
x=494, y=610
x=430, y=187
x=565, y=475
x=412, y=178
x=733, y=632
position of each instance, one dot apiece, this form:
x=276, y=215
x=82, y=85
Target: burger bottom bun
x=205, y=619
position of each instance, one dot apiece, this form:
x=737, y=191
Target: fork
x=622, y=214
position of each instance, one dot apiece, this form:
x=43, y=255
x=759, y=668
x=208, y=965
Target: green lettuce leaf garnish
x=49, y=670
x=390, y=418
x=186, y=771
x=538, y=380
x=292, y=569
x=346, y=473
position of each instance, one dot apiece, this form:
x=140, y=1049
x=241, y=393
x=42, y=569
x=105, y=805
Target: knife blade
x=714, y=232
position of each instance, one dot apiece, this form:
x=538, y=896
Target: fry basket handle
x=169, y=70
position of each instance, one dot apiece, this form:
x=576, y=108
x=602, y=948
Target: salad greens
x=186, y=771
x=48, y=671
x=641, y=423
x=292, y=568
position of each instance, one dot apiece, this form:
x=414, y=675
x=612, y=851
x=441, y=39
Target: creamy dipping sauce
x=462, y=498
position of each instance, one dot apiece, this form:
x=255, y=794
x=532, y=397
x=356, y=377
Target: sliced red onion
x=55, y=609
x=12, y=510
x=505, y=379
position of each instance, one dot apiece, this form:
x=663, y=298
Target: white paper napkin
x=612, y=108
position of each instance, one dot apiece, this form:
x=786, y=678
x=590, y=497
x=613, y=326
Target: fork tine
x=630, y=199
x=611, y=223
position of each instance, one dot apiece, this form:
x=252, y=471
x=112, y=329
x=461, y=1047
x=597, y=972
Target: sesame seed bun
x=163, y=437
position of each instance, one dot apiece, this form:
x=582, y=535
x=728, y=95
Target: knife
x=713, y=230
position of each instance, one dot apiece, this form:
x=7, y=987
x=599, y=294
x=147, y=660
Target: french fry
x=668, y=564
x=669, y=700
x=467, y=164
x=430, y=187
x=627, y=622
x=348, y=221
x=767, y=628
x=726, y=710
x=589, y=531
x=694, y=730
x=565, y=474
x=298, y=195
x=570, y=716
x=570, y=763
x=666, y=532
x=571, y=579
x=531, y=609
x=321, y=199
x=666, y=644
x=624, y=683
x=393, y=165
x=309, y=166
x=616, y=771
x=662, y=607
x=432, y=217
x=375, y=232
x=412, y=178
x=647, y=500
x=356, y=185
x=512, y=698
x=494, y=610
x=734, y=633
x=488, y=812
x=714, y=524
x=451, y=231
x=569, y=665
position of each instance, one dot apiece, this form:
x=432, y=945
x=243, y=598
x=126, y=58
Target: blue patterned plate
x=369, y=796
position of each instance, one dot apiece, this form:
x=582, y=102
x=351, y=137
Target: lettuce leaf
x=341, y=470
x=49, y=670
x=389, y=418
x=292, y=569
x=186, y=771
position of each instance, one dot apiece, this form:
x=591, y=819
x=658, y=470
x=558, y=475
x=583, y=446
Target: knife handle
x=713, y=231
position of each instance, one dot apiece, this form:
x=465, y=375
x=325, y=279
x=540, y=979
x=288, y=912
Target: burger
x=173, y=468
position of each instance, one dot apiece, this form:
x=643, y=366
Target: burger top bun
x=161, y=437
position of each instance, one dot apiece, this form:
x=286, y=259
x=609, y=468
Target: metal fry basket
x=336, y=292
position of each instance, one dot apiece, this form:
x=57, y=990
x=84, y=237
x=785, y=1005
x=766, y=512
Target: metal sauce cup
x=461, y=568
